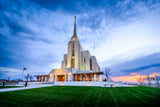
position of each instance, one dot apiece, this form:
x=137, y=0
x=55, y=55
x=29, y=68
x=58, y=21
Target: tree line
x=155, y=79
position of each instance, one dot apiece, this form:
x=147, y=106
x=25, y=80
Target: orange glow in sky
x=132, y=77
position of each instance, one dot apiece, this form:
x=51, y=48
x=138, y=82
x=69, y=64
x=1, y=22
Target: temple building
x=77, y=64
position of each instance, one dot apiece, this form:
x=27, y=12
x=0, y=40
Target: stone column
x=37, y=78
x=55, y=77
x=46, y=78
x=40, y=78
x=86, y=77
x=91, y=77
x=43, y=78
x=76, y=77
x=71, y=77
x=81, y=77
x=65, y=77
x=95, y=77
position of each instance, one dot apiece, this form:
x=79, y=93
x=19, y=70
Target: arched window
x=84, y=63
x=73, y=49
x=90, y=64
x=73, y=45
x=72, y=63
x=72, y=52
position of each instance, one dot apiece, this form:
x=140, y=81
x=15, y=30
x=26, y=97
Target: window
x=72, y=52
x=73, y=49
x=72, y=63
x=66, y=62
x=84, y=60
x=84, y=63
x=73, y=44
x=90, y=64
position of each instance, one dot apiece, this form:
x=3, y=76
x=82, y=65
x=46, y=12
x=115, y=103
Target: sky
x=124, y=35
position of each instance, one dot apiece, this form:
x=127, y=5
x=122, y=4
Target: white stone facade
x=77, y=64
x=71, y=74
x=78, y=58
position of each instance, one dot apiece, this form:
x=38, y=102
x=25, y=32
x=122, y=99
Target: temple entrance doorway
x=60, y=77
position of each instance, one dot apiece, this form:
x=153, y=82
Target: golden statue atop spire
x=75, y=18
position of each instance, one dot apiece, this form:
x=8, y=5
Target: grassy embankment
x=82, y=96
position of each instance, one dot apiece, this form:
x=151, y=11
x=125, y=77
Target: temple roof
x=88, y=72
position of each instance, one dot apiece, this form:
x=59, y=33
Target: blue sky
x=123, y=34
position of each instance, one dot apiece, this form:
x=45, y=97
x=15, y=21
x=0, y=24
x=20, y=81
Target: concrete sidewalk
x=23, y=88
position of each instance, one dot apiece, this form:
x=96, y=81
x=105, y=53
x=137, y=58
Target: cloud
x=15, y=27
x=9, y=69
x=147, y=64
x=142, y=68
x=132, y=77
x=35, y=33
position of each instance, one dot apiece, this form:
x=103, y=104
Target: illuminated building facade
x=77, y=64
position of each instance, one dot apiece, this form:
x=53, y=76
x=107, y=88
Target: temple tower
x=77, y=58
x=74, y=50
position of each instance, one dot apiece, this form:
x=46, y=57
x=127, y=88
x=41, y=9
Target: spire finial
x=75, y=18
x=75, y=30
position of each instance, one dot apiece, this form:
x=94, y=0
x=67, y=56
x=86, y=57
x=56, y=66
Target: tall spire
x=75, y=30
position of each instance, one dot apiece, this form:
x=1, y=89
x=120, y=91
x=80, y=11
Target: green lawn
x=62, y=96
x=1, y=87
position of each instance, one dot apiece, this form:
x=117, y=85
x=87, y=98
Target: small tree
x=31, y=78
x=141, y=80
x=27, y=77
x=107, y=73
x=149, y=79
x=156, y=78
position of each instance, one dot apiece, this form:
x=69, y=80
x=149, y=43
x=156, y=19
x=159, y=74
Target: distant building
x=77, y=64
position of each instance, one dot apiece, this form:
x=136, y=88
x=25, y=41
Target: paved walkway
x=23, y=88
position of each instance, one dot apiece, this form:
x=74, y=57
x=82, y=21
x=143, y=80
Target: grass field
x=82, y=96
x=1, y=87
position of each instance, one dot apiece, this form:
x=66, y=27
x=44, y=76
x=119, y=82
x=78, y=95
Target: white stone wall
x=69, y=55
x=90, y=83
x=32, y=83
x=95, y=66
x=79, y=55
x=86, y=56
x=64, y=65
x=66, y=71
x=76, y=55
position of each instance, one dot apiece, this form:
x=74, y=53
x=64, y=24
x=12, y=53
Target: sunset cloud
x=133, y=77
